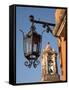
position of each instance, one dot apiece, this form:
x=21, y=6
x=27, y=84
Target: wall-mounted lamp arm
x=44, y=24
x=40, y=22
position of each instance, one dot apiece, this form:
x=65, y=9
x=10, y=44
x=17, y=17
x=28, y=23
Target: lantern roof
x=32, y=31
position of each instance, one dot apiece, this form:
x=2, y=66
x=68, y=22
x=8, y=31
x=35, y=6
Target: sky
x=23, y=73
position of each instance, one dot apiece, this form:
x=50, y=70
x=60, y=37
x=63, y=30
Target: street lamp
x=32, y=42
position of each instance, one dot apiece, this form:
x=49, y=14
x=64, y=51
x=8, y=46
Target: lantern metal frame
x=32, y=60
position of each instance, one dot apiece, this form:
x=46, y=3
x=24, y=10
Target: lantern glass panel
x=27, y=46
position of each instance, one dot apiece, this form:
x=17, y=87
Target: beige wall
x=61, y=40
x=58, y=15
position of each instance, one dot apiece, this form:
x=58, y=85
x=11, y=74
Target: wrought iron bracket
x=43, y=23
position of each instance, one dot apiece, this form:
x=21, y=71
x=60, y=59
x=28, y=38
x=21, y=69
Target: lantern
x=32, y=47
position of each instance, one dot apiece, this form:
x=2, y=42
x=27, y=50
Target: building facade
x=60, y=31
x=49, y=65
